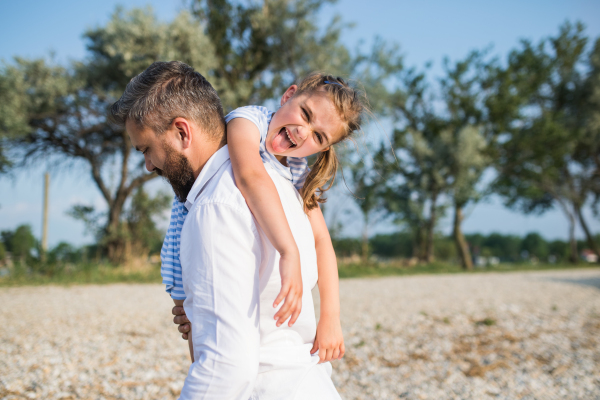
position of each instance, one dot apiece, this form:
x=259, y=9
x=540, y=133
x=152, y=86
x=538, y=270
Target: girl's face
x=304, y=125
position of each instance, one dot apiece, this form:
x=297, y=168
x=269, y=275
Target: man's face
x=161, y=157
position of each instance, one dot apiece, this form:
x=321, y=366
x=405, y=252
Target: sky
x=425, y=30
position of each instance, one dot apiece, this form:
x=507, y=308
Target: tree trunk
x=115, y=239
x=572, y=242
x=588, y=235
x=365, y=240
x=419, y=243
x=431, y=228
x=461, y=244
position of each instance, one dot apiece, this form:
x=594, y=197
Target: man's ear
x=184, y=132
x=289, y=93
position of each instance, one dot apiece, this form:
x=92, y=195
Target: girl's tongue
x=281, y=142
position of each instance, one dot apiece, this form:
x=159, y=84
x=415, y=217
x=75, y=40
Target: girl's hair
x=350, y=104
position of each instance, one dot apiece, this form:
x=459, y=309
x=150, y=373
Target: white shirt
x=231, y=278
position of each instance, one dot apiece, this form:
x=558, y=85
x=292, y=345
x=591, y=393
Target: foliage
x=20, y=242
x=60, y=112
x=441, y=153
x=145, y=236
x=548, y=156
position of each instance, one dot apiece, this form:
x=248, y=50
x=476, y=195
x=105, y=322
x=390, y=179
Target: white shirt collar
x=208, y=171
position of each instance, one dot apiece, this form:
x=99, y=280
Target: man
x=230, y=270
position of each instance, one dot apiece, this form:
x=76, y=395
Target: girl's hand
x=291, y=289
x=329, y=340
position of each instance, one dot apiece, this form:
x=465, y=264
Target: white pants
x=317, y=384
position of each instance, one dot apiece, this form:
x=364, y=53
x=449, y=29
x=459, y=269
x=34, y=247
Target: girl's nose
x=302, y=133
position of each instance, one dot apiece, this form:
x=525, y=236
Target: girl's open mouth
x=283, y=141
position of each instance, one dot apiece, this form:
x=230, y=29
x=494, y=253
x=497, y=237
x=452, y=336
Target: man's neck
x=207, y=150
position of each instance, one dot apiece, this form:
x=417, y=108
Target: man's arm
x=220, y=256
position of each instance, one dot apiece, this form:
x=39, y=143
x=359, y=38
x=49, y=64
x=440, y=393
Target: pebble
x=516, y=335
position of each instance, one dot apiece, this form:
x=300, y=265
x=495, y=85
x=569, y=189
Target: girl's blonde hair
x=350, y=104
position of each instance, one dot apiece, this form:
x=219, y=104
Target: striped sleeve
x=170, y=269
x=255, y=114
x=299, y=168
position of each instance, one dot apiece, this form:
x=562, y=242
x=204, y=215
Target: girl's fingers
x=284, y=312
x=342, y=350
x=322, y=355
x=284, y=291
x=329, y=354
x=296, y=313
x=315, y=347
x=336, y=353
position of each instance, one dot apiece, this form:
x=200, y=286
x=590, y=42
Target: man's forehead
x=137, y=134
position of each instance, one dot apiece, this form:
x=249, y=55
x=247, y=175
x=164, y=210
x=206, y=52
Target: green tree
x=145, y=236
x=2, y=252
x=249, y=51
x=20, y=243
x=415, y=171
x=465, y=138
x=262, y=47
x=441, y=153
x=538, y=106
x=535, y=245
x=365, y=183
x=62, y=253
x=63, y=109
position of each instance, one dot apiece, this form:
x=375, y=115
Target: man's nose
x=149, y=166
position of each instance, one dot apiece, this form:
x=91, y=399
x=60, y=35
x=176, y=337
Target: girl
x=314, y=115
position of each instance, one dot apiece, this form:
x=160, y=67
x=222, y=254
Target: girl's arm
x=260, y=193
x=329, y=339
x=179, y=303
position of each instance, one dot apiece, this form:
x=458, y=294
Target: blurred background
x=482, y=148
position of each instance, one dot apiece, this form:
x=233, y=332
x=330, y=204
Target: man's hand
x=291, y=290
x=181, y=320
x=329, y=340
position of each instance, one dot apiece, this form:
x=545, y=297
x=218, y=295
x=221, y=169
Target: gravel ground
x=529, y=335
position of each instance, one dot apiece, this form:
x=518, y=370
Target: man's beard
x=178, y=172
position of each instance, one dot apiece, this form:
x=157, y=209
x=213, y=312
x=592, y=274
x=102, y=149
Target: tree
x=415, y=170
x=546, y=156
x=19, y=243
x=535, y=245
x=262, y=47
x=62, y=110
x=250, y=51
x=440, y=152
x=466, y=138
x=145, y=236
x=589, y=150
x=365, y=184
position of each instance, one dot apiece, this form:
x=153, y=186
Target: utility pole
x=45, y=217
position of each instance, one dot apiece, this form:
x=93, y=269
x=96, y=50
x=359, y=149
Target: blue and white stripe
x=170, y=268
x=296, y=172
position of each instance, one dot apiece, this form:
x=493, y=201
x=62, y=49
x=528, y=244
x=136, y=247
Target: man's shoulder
x=221, y=190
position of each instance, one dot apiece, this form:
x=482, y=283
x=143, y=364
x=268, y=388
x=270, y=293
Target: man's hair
x=165, y=91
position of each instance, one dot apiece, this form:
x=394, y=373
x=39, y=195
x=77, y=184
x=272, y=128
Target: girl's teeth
x=290, y=137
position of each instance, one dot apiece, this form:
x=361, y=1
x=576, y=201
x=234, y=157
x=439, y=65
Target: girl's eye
x=305, y=115
x=319, y=138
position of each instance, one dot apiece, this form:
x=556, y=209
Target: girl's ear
x=326, y=148
x=289, y=93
